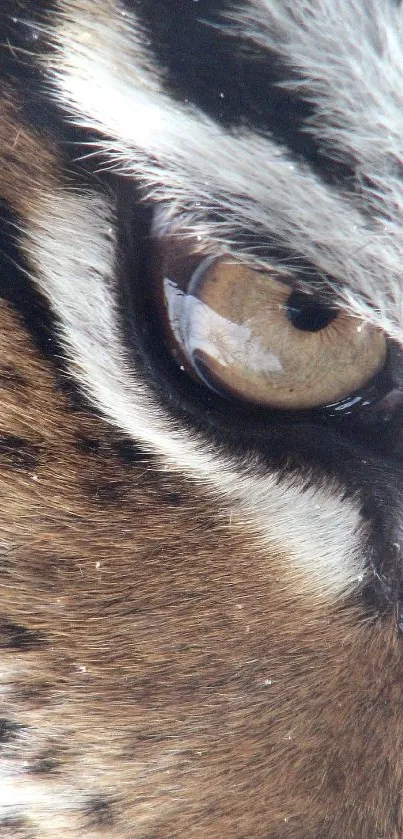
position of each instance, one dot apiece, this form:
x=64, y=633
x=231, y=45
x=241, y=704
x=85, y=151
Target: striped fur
x=200, y=602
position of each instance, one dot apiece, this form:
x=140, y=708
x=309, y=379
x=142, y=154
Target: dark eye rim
x=194, y=390
x=188, y=397
x=362, y=399
x=319, y=310
x=174, y=386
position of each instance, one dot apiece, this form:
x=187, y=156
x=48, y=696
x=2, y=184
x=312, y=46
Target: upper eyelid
x=164, y=222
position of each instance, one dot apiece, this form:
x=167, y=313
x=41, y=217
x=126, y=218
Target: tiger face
x=200, y=419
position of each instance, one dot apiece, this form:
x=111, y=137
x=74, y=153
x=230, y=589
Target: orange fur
x=168, y=682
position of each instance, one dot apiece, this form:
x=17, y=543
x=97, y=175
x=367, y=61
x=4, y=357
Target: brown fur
x=168, y=678
x=28, y=165
x=158, y=678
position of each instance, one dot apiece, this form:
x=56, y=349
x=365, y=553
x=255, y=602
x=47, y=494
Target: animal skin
x=200, y=566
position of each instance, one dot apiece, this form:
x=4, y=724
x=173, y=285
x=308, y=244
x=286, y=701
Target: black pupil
x=307, y=314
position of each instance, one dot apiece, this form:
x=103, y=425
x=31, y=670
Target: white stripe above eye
x=105, y=76
x=317, y=531
x=349, y=57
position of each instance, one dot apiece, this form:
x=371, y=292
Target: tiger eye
x=245, y=334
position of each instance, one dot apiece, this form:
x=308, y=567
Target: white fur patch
x=71, y=249
x=349, y=54
x=105, y=76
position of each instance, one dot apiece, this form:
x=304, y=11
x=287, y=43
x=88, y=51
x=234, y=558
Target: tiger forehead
x=231, y=184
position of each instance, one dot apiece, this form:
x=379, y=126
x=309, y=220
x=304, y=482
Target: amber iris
x=249, y=336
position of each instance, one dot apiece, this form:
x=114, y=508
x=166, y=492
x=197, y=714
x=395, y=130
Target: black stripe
x=18, y=452
x=233, y=82
x=98, y=812
x=46, y=763
x=17, y=828
x=9, y=731
x=15, y=636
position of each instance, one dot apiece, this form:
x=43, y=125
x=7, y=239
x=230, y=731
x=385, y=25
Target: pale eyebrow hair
x=224, y=182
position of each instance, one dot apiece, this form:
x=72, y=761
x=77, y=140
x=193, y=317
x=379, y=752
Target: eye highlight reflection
x=248, y=336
